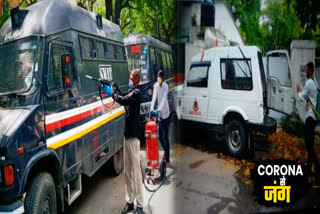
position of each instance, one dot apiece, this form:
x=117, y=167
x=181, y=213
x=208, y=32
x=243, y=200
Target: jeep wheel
x=236, y=138
x=117, y=162
x=41, y=195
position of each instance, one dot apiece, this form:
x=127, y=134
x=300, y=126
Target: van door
x=195, y=97
x=279, y=82
x=62, y=104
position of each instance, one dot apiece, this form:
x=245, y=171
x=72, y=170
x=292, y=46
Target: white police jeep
x=225, y=88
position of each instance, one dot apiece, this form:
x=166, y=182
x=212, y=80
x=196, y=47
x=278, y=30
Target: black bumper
x=14, y=208
x=268, y=126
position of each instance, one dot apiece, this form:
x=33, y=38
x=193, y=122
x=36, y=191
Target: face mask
x=131, y=84
x=159, y=80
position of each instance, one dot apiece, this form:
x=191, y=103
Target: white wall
x=192, y=49
x=226, y=24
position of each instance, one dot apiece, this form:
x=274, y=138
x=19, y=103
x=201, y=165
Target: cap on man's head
x=135, y=76
x=310, y=66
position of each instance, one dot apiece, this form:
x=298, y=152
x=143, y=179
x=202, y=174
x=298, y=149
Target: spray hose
x=313, y=108
x=105, y=82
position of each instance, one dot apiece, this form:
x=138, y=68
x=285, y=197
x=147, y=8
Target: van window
x=116, y=52
x=164, y=62
x=61, y=73
x=153, y=58
x=168, y=65
x=159, y=58
x=88, y=49
x=235, y=74
x=17, y=63
x=100, y=50
x=123, y=51
x=137, y=57
x=119, y=52
x=172, y=65
x=278, y=67
x=108, y=51
x=198, y=76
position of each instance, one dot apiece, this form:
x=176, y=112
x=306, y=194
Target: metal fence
x=266, y=49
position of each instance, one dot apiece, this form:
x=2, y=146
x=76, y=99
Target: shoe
x=129, y=207
x=139, y=210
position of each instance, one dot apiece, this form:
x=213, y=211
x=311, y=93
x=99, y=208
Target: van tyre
x=41, y=195
x=236, y=138
x=117, y=162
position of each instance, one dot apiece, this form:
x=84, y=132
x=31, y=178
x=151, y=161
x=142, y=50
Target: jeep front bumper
x=268, y=126
x=14, y=208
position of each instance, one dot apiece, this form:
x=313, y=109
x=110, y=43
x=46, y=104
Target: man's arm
x=154, y=96
x=127, y=99
x=303, y=95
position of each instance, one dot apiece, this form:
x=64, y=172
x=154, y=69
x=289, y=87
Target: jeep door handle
x=204, y=95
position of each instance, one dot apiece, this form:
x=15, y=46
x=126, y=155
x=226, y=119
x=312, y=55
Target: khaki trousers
x=132, y=171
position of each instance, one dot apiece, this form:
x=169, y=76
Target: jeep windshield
x=137, y=58
x=17, y=64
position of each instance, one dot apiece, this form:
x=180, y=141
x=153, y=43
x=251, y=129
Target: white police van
x=225, y=89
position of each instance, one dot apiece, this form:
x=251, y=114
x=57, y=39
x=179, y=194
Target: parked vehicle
x=53, y=125
x=150, y=55
x=226, y=90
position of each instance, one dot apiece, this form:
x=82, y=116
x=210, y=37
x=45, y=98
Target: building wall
x=226, y=24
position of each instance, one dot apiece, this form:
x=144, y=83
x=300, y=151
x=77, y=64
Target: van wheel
x=41, y=195
x=117, y=162
x=236, y=138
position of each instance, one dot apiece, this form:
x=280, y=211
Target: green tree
x=87, y=4
x=308, y=12
x=150, y=17
x=6, y=12
x=25, y=3
x=282, y=24
x=141, y=16
x=248, y=14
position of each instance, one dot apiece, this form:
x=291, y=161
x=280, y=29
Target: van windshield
x=17, y=63
x=138, y=58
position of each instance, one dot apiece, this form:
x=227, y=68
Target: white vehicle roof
x=226, y=52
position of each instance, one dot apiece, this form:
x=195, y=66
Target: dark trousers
x=309, y=128
x=164, y=137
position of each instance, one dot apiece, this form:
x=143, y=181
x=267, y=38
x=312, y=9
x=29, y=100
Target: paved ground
x=199, y=181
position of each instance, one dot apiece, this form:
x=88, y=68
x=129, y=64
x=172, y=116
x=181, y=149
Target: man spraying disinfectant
x=309, y=93
x=132, y=172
